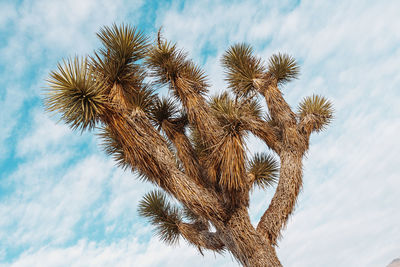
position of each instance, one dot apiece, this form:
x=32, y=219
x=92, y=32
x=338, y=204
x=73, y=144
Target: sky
x=63, y=202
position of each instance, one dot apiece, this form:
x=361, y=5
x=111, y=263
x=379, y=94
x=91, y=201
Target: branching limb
x=169, y=65
x=201, y=238
x=169, y=225
x=315, y=113
x=284, y=199
x=279, y=109
x=186, y=153
x=143, y=147
x=167, y=117
x=147, y=150
x=265, y=131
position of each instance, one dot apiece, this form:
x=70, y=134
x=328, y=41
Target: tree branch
x=279, y=109
x=284, y=199
x=175, y=133
x=200, y=237
x=264, y=131
x=146, y=149
x=292, y=150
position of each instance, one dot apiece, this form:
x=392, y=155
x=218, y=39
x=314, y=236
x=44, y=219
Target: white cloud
x=46, y=134
x=12, y=102
x=46, y=209
x=127, y=252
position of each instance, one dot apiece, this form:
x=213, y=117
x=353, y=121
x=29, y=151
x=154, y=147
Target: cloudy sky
x=64, y=203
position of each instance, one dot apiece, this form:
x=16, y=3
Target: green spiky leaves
x=233, y=115
x=143, y=98
x=168, y=63
x=117, y=60
x=123, y=42
x=74, y=92
x=155, y=207
x=241, y=68
x=163, y=109
x=283, y=68
x=264, y=169
x=320, y=110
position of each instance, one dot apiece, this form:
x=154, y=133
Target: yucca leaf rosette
x=319, y=108
x=76, y=94
x=264, y=170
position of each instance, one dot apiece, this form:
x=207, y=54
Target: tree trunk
x=248, y=246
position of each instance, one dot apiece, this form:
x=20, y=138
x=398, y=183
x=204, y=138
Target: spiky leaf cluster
x=143, y=98
x=233, y=115
x=163, y=109
x=283, y=68
x=123, y=47
x=189, y=215
x=162, y=214
x=74, y=92
x=265, y=169
x=241, y=68
x=318, y=106
x=168, y=63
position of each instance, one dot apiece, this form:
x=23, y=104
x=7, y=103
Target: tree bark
x=284, y=199
x=157, y=163
x=248, y=246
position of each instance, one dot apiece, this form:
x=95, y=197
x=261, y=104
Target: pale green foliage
x=319, y=107
x=231, y=114
x=283, y=68
x=265, y=169
x=124, y=43
x=241, y=68
x=123, y=47
x=163, y=109
x=167, y=63
x=75, y=94
x=143, y=98
x=162, y=214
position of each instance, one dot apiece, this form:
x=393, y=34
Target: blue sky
x=64, y=203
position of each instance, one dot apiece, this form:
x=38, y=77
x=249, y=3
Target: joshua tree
x=190, y=145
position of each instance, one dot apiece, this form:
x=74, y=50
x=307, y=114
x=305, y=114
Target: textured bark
x=265, y=132
x=284, y=199
x=219, y=165
x=154, y=159
x=186, y=153
x=277, y=106
x=146, y=150
x=197, y=235
x=248, y=246
x=293, y=146
x=198, y=111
